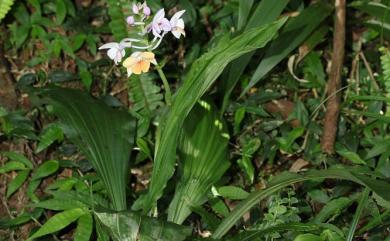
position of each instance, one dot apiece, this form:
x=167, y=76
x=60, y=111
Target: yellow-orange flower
x=139, y=62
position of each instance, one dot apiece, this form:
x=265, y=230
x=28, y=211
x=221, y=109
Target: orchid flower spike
x=177, y=24
x=115, y=51
x=160, y=24
x=139, y=62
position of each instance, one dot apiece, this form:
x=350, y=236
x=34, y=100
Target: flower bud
x=135, y=9
x=147, y=11
x=130, y=20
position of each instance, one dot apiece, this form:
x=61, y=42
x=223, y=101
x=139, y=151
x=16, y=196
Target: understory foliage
x=191, y=120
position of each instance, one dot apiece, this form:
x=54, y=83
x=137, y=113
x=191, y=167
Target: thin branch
x=334, y=83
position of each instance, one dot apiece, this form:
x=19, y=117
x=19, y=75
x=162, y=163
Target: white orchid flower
x=115, y=51
x=177, y=24
x=160, y=24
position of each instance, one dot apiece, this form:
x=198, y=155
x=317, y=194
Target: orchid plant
x=151, y=31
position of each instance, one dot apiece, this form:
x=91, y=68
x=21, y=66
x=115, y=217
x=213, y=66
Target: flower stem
x=168, y=95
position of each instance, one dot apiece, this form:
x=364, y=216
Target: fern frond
x=117, y=25
x=385, y=63
x=145, y=97
x=5, y=6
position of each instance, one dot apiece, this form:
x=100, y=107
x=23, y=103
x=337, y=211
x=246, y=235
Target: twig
x=369, y=70
x=334, y=82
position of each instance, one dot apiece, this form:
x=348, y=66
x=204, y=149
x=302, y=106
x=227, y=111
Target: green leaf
x=202, y=75
x=21, y=219
x=5, y=6
x=12, y=166
x=332, y=209
x=32, y=186
x=103, y=134
x=359, y=211
x=60, y=11
x=45, y=169
x=232, y=192
x=49, y=135
x=17, y=182
x=375, y=9
x=59, y=204
x=266, y=12
x=287, y=142
x=292, y=35
x=132, y=226
x=243, y=13
x=203, y=155
x=350, y=155
x=286, y=179
x=84, y=228
x=308, y=237
x=58, y=222
x=13, y=156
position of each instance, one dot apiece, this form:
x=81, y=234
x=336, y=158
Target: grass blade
x=201, y=76
x=362, y=204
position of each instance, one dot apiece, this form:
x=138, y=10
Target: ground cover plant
x=195, y=120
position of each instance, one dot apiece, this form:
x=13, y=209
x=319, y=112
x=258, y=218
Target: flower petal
x=145, y=66
x=109, y=45
x=178, y=15
x=112, y=53
x=180, y=24
x=159, y=15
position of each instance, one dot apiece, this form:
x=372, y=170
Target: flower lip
x=139, y=62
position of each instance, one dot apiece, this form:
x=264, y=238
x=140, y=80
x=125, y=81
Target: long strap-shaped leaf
x=293, y=34
x=103, y=134
x=380, y=187
x=201, y=76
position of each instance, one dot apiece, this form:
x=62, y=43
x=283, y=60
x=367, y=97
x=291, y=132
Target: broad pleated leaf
x=103, y=134
x=286, y=179
x=293, y=34
x=203, y=156
x=202, y=75
x=58, y=222
x=131, y=226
